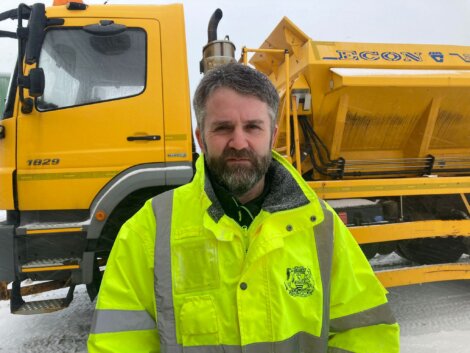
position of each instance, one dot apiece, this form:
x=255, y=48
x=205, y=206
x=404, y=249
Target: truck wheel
x=466, y=243
x=370, y=250
x=387, y=247
x=431, y=251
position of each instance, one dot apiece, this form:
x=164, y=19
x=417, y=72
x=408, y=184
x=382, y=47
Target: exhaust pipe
x=213, y=24
x=216, y=52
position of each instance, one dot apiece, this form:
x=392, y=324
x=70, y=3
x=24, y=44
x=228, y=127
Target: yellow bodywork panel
x=424, y=274
x=383, y=109
x=410, y=230
x=342, y=189
x=53, y=230
x=7, y=164
x=50, y=268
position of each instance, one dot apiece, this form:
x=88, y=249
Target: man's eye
x=253, y=127
x=222, y=128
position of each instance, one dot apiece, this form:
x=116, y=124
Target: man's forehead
x=226, y=106
x=225, y=92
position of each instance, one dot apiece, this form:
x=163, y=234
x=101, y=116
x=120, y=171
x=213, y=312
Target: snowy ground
x=434, y=317
x=64, y=331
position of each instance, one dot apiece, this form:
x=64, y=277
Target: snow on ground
x=64, y=331
x=434, y=318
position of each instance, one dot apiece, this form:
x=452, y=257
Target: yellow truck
x=98, y=120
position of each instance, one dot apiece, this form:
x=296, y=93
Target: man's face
x=236, y=140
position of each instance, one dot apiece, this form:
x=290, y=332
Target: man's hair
x=243, y=80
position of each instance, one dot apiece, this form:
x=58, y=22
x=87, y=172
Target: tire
x=386, y=248
x=369, y=250
x=431, y=250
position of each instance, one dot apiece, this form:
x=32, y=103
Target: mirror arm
x=22, y=34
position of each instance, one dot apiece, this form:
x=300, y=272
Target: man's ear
x=275, y=131
x=199, y=140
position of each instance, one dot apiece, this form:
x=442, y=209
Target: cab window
x=82, y=68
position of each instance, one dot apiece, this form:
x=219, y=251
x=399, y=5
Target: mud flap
x=7, y=258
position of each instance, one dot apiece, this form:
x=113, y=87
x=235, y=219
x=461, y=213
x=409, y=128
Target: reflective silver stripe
x=337, y=350
x=105, y=321
x=381, y=314
x=163, y=208
x=301, y=342
x=324, y=240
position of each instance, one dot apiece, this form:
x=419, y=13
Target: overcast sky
x=250, y=22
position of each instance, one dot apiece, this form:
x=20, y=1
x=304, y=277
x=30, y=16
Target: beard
x=240, y=177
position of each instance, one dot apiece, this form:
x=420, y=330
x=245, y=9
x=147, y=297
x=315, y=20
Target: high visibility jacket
x=184, y=277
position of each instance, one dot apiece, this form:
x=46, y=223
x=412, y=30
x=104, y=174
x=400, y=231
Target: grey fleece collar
x=284, y=194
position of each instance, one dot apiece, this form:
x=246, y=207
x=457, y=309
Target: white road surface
x=434, y=317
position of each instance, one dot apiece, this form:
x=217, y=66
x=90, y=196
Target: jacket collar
x=285, y=192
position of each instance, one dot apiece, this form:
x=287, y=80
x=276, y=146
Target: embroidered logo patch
x=299, y=281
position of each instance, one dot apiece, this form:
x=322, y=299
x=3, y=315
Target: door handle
x=2, y=131
x=144, y=138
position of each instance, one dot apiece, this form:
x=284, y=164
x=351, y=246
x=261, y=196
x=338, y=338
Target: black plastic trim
x=7, y=34
x=10, y=103
x=144, y=138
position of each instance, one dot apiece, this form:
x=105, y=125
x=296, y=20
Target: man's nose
x=238, y=140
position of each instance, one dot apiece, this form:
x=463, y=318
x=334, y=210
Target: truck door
x=101, y=112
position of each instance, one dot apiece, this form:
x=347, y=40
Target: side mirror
x=37, y=82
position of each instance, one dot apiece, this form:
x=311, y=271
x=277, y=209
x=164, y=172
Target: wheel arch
x=131, y=180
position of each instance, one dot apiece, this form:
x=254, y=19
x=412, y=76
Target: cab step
x=51, y=228
x=20, y=307
x=41, y=307
x=53, y=264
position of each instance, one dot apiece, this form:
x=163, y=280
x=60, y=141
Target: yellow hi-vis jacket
x=184, y=277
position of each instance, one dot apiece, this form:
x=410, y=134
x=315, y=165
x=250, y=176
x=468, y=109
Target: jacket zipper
x=246, y=239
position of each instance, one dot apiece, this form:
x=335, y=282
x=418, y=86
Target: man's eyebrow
x=255, y=121
x=229, y=122
x=221, y=123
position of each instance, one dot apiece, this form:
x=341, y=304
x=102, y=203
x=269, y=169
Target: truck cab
x=97, y=121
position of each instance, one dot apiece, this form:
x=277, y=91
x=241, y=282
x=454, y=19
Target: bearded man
x=245, y=258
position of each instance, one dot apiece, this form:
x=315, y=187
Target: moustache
x=234, y=153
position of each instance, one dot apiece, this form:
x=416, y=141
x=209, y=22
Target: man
x=245, y=258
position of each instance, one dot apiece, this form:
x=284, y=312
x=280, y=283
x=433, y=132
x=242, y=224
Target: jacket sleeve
x=361, y=320
x=124, y=319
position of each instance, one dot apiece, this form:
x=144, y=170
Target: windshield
x=4, y=83
x=82, y=68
